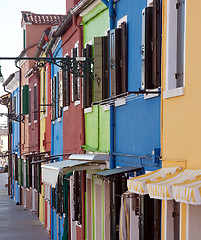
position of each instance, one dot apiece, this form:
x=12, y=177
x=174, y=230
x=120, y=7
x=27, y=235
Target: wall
x=73, y=119
x=57, y=125
x=138, y=122
x=181, y=115
x=97, y=136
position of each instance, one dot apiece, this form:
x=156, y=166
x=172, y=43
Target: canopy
x=51, y=171
x=169, y=183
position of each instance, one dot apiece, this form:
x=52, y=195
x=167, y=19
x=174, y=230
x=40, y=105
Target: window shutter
x=13, y=105
x=29, y=105
x=60, y=203
x=123, y=60
x=156, y=69
x=180, y=42
x=84, y=83
x=35, y=102
x=59, y=92
x=106, y=59
x=16, y=167
x=115, y=48
x=25, y=100
x=53, y=98
x=75, y=78
x=87, y=81
x=54, y=198
x=66, y=87
x=75, y=195
x=98, y=67
x=147, y=48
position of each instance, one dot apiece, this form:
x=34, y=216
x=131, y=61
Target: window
x=53, y=97
x=151, y=46
x=77, y=192
x=1, y=142
x=66, y=87
x=175, y=48
x=118, y=64
x=87, y=82
x=101, y=68
x=35, y=102
x=28, y=172
x=29, y=105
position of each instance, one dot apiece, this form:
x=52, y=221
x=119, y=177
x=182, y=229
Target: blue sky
x=11, y=43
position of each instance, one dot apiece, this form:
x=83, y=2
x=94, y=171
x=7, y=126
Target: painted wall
x=42, y=109
x=57, y=125
x=34, y=138
x=97, y=132
x=181, y=115
x=137, y=130
x=73, y=118
x=16, y=125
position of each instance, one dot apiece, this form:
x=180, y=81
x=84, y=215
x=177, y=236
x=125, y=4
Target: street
x=17, y=223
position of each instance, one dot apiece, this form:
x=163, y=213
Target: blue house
x=135, y=50
x=12, y=85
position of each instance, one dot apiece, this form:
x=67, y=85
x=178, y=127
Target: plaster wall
x=181, y=115
x=137, y=129
x=73, y=119
x=97, y=135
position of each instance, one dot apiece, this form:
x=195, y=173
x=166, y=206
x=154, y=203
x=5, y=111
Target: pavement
x=17, y=223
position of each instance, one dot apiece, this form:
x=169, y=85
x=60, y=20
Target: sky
x=11, y=43
x=11, y=33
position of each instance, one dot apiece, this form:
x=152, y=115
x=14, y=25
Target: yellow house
x=178, y=183
x=42, y=133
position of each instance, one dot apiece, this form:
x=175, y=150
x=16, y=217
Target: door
x=176, y=216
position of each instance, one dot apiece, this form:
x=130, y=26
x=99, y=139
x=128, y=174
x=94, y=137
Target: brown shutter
x=53, y=99
x=147, y=55
x=87, y=86
x=106, y=82
x=98, y=67
x=115, y=47
x=84, y=84
x=156, y=43
x=75, y=78
x=35, y=102
x=66, y=86
x=123, y=61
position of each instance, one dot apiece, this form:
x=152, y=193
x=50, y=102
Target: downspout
x=110, y=6
x=20, y=107
x=9, y=149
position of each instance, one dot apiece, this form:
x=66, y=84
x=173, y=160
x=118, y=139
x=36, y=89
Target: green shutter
x=25, y=100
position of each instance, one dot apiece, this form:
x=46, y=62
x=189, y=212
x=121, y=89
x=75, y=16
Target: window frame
x=171, y=90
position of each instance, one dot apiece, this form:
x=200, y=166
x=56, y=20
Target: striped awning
x=169, y=183
x=139, y=184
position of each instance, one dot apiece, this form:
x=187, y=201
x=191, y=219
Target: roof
x=34, y=18
x=112, y=172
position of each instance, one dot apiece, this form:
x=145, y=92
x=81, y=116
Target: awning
x=50, y=172
x=169, y=183
x=109, y=174
x=139, y=184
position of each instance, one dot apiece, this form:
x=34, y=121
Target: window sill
x=66, y=108
x=88, y=110
x=120, y=102
x=148, y=96
x=106, y=108
x=35, y=121
x=77, y=102
x=59, y=119
x=176, y=92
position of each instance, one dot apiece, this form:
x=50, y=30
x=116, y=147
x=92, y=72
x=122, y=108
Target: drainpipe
x=20, y=107
x=9, y=149
x=109, y=5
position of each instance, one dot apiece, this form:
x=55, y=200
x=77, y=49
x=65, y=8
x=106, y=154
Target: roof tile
x=34, y=18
